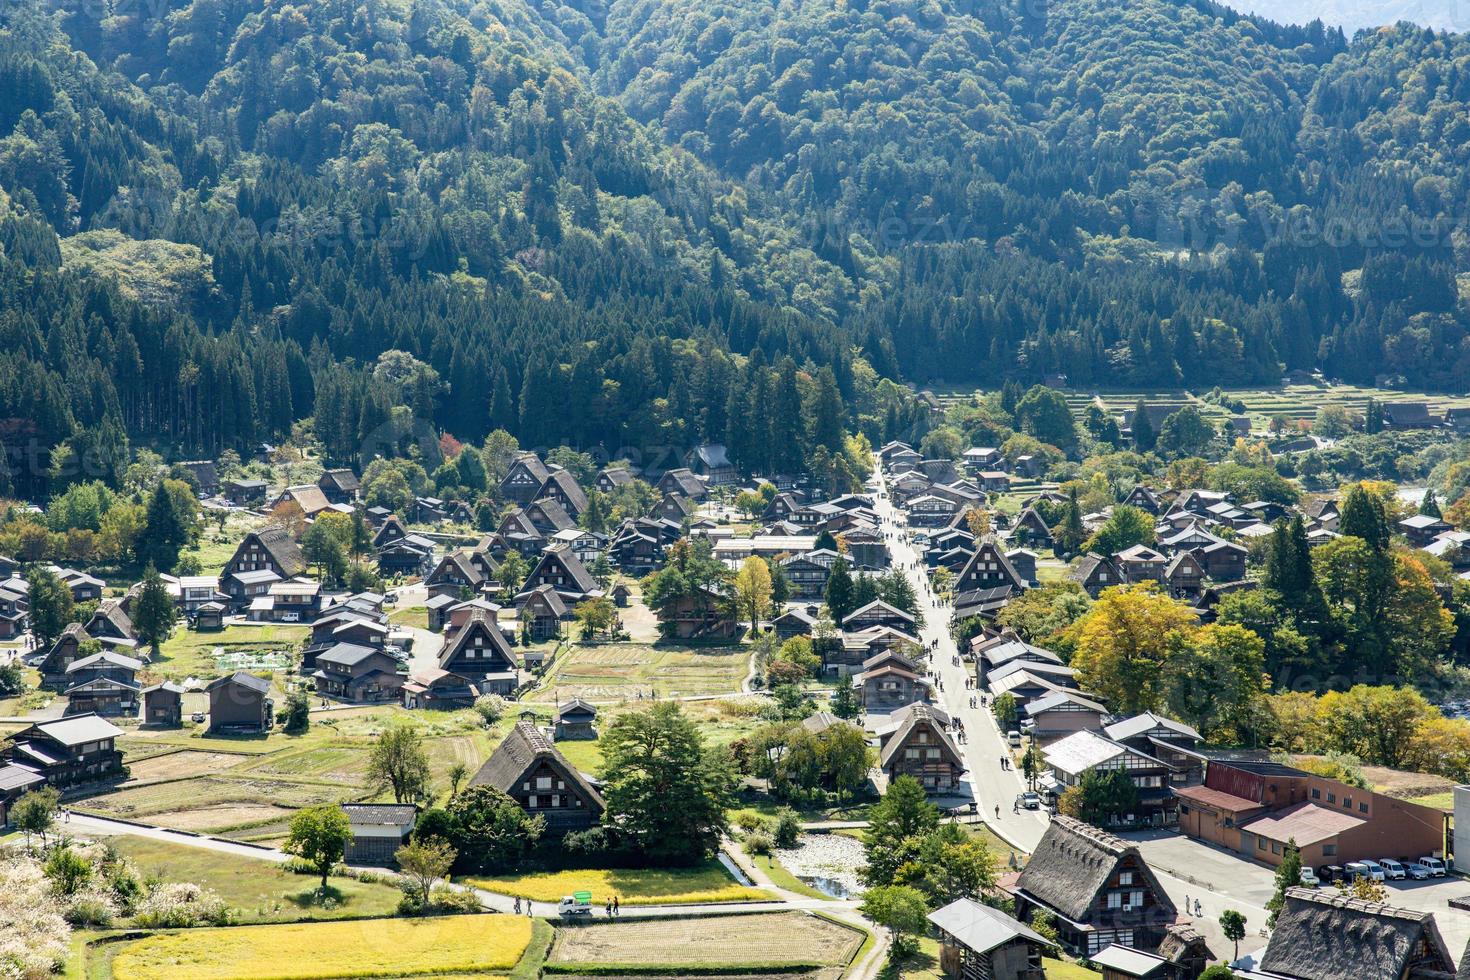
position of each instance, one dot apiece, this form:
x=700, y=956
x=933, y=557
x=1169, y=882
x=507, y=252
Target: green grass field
x=259, y=891
x=615, y=671
x=191, y=654
x=716, y=943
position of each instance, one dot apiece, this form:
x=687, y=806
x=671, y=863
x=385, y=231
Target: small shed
x=576, y=720
x=378, y=831
x=163, y=705
x=240, y=703
x=621, y=594
x=976, y=940
x=210, y=617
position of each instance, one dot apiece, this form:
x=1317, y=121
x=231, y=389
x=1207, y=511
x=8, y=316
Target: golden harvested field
x=175, y=765
x=767, y=939
x=322, y=950
x=707, y=884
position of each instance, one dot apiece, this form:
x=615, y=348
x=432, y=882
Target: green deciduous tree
x=398, y=761
x=319, y=836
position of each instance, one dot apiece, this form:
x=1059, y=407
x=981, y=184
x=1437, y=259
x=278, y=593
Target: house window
x=1275, y=847
x=1260, y=843
x=1316, y=793
x=1125, y=878
x=1331, y=797
x=1347, y=802
x=1329, y=850
x=1362, y=808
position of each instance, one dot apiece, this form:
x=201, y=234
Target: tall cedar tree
x=666, y=793
x=154, y=613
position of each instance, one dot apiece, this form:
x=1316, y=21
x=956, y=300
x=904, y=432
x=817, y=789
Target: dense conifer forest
x=649, y=224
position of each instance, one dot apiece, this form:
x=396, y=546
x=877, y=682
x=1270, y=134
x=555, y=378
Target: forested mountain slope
x=218, y=213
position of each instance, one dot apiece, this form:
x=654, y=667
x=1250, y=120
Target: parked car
x=1436, y=867
x=1309, y=878
x=1330, y=873
x=1417, y=871
x=1031, y=801
x=197, y=717
x=1392, y=870
x=578, y=903
x=1013, y=739
x=1363, y=869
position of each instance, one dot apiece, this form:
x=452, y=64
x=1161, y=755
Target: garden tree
x=948, y=864
x=298, y=712
x=154, y=612
x=513, y=572
x=1100, y=795
x=895, y=822
x=845, y=703
x=903, y=911
x=1429, y=505
x=319, y=836
x=798, y=651
x=34, y=812
x=753, y=589
x=421, y=864
x=1290, y=576
x=1214, y=678
x=895, y=589
x=598, y=616
x=1288, y=875
x=1386, y=607
x=943, y=581
x=1005, y=708
x=458, y=772
x=1033, y=764
x=1232, y=924
x=490, y=832
x=1069, y=534
x=12, y=679
x=52, y=607
x=1144, y=436
x=1333, y=422
x=1042, y=614
x=825, y=541
x=1043, y=414
x=780, y=585
x=977, y=519
x=1126, y=527
x=327, y=543
x=1218, y=971
x=1119, y=648
x=846, y=758
x=666, y=793
x=750, y=504
x=1377, y=724
x=398, y=761
x=839, y=596
x=1185, y=433
x=1365, y=889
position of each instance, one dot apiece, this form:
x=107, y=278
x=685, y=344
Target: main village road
x=993, y=786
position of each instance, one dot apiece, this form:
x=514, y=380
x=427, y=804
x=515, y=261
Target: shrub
x=788, y=828
x=758, y=842
x=491, y=708
x=180, y=905
x=748, y=821
x=91, y=907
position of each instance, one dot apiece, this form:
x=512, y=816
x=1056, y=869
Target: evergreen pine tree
x=839, y=591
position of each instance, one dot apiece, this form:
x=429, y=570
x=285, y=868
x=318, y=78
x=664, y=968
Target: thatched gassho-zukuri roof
x=1073, y=863
x=1321, y=935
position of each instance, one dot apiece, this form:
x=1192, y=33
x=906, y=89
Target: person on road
x=997, y=811
x=518, y=906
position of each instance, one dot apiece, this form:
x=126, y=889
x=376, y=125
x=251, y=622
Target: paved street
x=991, y=785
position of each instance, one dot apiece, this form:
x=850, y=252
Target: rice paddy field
x=248, y=788
x=708, y=884
x=726, y=943
x=473, y=944
x=617, y=671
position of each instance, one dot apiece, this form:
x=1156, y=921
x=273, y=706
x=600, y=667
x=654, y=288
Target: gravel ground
x=826, y=856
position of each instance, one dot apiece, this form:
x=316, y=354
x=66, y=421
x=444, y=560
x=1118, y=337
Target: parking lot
x=1222, y=879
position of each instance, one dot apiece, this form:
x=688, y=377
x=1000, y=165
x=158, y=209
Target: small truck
x=577, y=903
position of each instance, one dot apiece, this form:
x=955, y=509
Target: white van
x=1393, y=870
x=1013, y=739
x=1435, y=865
